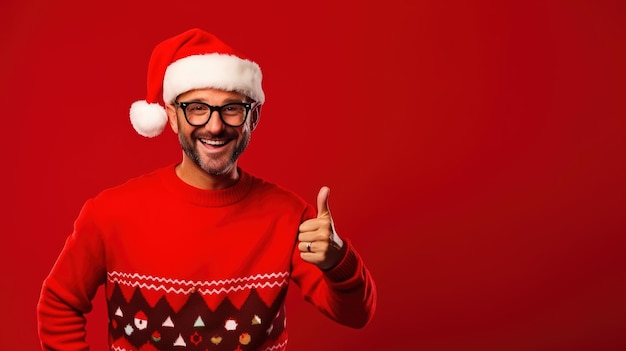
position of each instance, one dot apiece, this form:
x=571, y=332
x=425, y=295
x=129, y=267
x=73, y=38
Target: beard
x=212, y=165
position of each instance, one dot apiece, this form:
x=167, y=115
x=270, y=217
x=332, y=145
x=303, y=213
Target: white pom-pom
x=148, y=119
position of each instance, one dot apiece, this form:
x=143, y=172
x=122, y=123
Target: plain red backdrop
x=475, y=152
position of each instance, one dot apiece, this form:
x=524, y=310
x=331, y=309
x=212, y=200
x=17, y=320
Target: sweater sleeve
x=345, y=293
x=68, y=290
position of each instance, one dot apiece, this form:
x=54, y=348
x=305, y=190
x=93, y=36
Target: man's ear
x=255, y=116
x=171, y=117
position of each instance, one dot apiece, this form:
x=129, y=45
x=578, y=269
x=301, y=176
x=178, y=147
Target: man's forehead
x=212, y=93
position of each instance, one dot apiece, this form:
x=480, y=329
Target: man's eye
x=197, y=108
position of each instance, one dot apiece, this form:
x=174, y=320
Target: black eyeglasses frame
x=247, y=105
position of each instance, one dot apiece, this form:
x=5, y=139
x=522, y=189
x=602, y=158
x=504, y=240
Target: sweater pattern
x=156, y=313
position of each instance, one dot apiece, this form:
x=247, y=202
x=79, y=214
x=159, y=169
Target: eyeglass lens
x=198, y=113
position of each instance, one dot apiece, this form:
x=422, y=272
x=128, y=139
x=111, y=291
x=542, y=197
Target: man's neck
x=190, y=173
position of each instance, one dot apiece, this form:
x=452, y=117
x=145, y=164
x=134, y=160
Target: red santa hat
x=192, y=60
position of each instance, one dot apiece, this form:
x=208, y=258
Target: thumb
x=322, y=202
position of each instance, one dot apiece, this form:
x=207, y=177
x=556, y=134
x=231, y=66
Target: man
x=198, y=255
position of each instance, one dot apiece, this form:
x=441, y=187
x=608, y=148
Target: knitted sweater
x=191, y=269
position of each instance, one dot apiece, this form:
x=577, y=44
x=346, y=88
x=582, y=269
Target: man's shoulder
x=138, y=184
x=272, y=191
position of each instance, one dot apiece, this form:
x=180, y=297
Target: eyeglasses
x=198, y=114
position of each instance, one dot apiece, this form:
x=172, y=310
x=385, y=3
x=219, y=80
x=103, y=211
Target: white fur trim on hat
x=148, y=119
x=219, y=71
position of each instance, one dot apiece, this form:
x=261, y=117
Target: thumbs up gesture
x=319, y=244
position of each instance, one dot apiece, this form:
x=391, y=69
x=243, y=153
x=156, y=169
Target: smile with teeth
x=213, y=142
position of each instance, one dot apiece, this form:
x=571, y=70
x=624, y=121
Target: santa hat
x=192, y=60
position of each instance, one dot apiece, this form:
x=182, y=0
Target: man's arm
x=330, y=272
x=67, y=292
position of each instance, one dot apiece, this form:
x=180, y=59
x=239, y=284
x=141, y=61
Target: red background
x=475, y=152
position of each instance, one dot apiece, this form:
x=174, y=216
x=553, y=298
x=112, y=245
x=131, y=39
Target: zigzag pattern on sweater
x=141, y=319
x=179, y=286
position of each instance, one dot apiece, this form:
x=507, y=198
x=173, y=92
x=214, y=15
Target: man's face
x=214, y=147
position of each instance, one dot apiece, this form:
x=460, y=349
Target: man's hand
x=319, y=244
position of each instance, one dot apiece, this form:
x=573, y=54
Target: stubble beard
x=210, y=165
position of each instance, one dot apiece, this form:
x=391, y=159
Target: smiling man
x=211, y=146
x=199, y=255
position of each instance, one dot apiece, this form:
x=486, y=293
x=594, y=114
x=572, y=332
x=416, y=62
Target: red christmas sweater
x=191, y=269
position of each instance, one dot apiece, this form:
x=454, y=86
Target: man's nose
x=215, y=124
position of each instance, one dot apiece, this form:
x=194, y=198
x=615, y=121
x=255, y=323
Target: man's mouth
x=213, y=142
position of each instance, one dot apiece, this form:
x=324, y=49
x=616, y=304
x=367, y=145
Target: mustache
x=204, y=135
